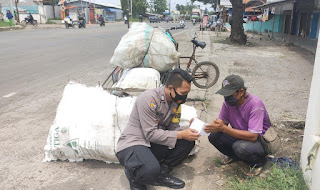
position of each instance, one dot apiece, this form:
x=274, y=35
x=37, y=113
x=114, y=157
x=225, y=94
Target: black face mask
x=231, y=100
x=179, y=99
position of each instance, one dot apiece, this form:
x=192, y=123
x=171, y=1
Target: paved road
x=30, y=57
x=35, y=66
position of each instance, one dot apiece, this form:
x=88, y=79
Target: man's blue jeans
x=251, y=153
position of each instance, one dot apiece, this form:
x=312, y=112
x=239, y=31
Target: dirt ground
x=280, y=75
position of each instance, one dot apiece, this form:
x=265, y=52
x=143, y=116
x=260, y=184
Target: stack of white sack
x=139, y=78
x=89, y=122
x=145, y=46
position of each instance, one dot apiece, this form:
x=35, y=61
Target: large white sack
x=89, y=122
x=84, y=126
x=139, y=78
x=133, y=49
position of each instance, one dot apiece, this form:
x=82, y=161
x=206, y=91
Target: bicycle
x=206, y=73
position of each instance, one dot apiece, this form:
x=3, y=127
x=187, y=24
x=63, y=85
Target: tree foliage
x=160, y=6
x=184, y=9
x=138, y=7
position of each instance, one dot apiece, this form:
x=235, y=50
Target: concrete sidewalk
x=306, y=43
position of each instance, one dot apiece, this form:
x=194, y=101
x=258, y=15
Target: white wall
x=312, y=128
x=49, y=11
x=57, y=11
x=24, y=15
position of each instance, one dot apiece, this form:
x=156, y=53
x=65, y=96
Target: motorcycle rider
x=82, y=19
x=194, y=21
x=101, y=20
x=30, y=18
x=181, y=22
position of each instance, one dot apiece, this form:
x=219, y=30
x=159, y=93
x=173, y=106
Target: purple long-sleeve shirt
x=251, y=115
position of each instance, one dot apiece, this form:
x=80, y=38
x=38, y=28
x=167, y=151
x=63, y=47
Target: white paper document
x=199, y=125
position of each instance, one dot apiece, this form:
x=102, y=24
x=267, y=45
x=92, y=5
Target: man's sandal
x=254, y=171
x=226, y=160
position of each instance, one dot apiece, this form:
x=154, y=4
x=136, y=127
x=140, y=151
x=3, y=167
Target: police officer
x=153, y=143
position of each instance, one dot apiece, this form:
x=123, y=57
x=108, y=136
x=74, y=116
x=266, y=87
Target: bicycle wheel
x=205, y=74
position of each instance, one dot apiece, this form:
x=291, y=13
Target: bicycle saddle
x=199, y=43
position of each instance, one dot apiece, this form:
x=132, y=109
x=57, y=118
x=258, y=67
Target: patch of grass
x=54, y=19
x=218, y=41
x=50, y=22
x=251, y=44
x=4, y=24
x=217, y=162
x=277, y=178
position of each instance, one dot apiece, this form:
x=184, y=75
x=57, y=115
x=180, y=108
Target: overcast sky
x=184, y=2
x=173, y=3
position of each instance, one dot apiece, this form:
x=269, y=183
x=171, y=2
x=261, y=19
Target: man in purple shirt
x=249, y=120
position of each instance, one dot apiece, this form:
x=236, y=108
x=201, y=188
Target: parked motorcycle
x=68, y=22
x=27, y=21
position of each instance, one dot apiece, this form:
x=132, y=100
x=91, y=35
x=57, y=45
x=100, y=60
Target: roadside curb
x=17, y=27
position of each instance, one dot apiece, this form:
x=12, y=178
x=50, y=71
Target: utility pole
x=128, y=15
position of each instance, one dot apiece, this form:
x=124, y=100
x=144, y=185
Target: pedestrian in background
x=125, y=19
x=10, y=16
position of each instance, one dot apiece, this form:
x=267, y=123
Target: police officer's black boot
x=165, y=179
x=133, y=184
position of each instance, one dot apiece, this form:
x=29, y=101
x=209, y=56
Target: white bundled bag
x=147, y=47
x=139, y=78
x=89, y=122
x=86, y=124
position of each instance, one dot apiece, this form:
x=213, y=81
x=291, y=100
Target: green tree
x=206, y=10
x=182, y=9
x=177, y=7
x=160, y=6
x=138, y=7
